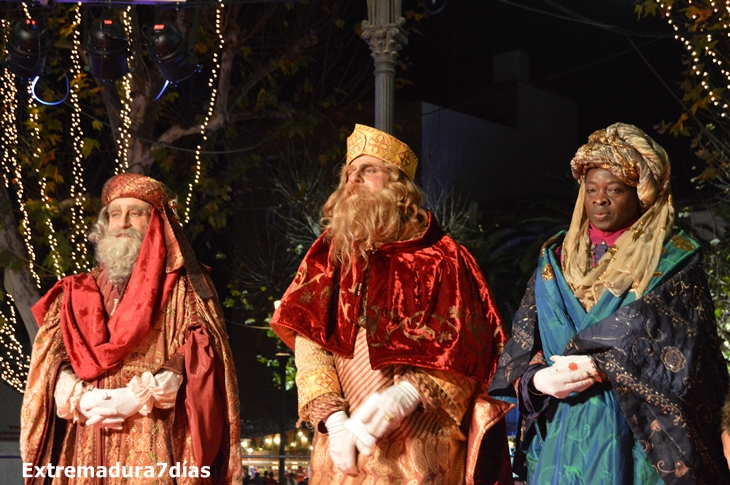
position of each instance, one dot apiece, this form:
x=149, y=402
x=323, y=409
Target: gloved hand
x=570, y=374
x=365, y=440
x=388, y=409
x=104, y=418
x=109, y=407
x=342, y=443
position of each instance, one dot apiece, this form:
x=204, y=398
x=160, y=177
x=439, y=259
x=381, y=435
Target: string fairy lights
x=37, y=154
x=211, y=108
x=14, y=363
x=78, y=239
x=52, y=236
x=11, y=164
x=702, y=48
x=125, y=133
x=7, y=119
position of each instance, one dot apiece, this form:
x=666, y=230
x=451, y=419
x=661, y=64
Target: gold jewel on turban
x=638, y=161
x=155, y=193
x=379, y=144
x=631, y=155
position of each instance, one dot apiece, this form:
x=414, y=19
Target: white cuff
x=67, y=394
x=159, y=390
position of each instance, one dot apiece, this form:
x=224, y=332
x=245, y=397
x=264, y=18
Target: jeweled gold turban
x=155, y=193
x=631, y=155
x=638, y=161
x=379, y=144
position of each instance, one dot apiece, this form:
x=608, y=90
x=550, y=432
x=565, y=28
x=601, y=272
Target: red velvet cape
x=95, y=342
x=427, y=304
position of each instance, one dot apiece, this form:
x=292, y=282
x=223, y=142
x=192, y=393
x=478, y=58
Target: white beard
x=118, y=255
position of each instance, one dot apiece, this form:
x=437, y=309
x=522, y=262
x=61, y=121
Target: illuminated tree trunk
x=17, y=279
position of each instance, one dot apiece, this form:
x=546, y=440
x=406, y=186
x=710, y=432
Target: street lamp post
x=282, y=358
x=384, y=33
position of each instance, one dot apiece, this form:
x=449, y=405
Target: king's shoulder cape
x=423, y=302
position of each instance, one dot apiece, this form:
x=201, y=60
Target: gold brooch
x=547, y=272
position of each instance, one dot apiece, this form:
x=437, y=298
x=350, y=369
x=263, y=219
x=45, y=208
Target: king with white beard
x=132, y=366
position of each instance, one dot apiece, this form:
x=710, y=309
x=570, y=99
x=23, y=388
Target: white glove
x=388, y=409
x=109, y=407
x=574, y=373
x=342, y=443
x=365, y=440
x=104, y=418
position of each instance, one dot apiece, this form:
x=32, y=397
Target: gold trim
x=682, y=243
x=315, y=383
x=546, y=244
x=547, y=273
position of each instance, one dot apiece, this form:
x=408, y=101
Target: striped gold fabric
x=426, y=448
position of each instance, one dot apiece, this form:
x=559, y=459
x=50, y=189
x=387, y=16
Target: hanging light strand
x=27, y=233
x=14, y=364
x=13, y=167
x=7, y=119
x=703, y=48
x=211, y=108
x=78, y=230
x=27, y=12
x=37, y=153
x=125, y=133
x=10, y=132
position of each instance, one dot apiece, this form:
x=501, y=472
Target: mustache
x=130, y=232
x=358, y=189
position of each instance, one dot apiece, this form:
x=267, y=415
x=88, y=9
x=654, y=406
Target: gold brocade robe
x=146, y=442
x=428, y=447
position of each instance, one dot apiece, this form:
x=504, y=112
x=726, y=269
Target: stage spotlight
x=28, y=47
x=107, y=47
x=168, y=48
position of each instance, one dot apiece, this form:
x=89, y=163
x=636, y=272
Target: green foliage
x=717, y=264
x=705, y=121
x=705, y=118
x=290, y=372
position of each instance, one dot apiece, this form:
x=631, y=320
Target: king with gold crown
x=395, y=333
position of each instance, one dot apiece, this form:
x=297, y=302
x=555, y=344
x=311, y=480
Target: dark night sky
x=597, y=68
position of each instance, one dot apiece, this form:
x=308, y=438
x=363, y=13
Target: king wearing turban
x=615, y=360
x=131, y=378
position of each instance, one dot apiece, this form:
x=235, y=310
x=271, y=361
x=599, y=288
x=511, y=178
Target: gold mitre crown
x=366, y=140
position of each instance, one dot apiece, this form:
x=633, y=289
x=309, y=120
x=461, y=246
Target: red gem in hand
x=573, y=366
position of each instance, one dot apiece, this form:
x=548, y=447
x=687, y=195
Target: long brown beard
x=118, y=254
x=360, y=220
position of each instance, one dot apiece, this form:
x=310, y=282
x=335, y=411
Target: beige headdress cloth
x=366, y=140
x=640, y=162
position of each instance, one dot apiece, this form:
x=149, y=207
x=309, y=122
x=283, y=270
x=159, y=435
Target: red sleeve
x=203, y=397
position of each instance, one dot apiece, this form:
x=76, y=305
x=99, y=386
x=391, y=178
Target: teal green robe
x=657, y=418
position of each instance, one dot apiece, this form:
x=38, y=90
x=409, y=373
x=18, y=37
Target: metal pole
x=384, y=33
x=283, y=358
